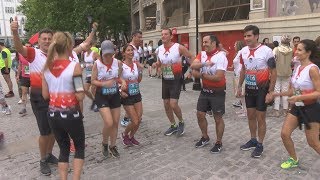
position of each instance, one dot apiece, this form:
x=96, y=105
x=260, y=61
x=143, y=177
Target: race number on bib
x=88, y=70
x=167, y=73
x=251, y=82
x=109, y=90
x=133, y=89
x=26, y=70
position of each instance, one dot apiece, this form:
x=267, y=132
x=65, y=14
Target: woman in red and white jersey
x=131, y=97
x=106, y=76
x=64, y=116
x=304, y=91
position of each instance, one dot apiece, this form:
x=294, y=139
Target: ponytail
x=50, y=55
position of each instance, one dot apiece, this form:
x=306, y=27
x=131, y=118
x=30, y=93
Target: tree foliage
x=113, y=16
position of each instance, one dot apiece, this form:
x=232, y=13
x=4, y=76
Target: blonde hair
x=61, y=43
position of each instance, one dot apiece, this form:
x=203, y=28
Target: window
x=8, y=0
x=9, y=10
x=225, y=10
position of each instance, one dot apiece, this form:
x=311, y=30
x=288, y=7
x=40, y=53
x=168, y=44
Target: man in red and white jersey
x=259, y=73
x=171, y=64
x=210, y=65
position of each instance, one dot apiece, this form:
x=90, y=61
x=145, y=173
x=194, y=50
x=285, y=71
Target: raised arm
x=16, y=39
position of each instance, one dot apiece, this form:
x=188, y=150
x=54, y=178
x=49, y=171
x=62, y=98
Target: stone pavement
x=159, y=156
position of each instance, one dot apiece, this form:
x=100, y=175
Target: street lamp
x=197, y=85
x=89, y=18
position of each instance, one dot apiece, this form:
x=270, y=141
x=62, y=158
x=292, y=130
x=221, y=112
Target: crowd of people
x=51, y=76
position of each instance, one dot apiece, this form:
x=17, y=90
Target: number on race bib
x=167, y=73
x=133, y=89
x=26, y=70
x=251, y=82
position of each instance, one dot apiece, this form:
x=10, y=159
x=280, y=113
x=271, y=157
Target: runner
x=170, y=61
x=259, y=72
x=131, y=97
x=210, y=65
x=106, y=74
x=59, y=86
x=23, y=75
x=135, y=43
x=304, y=92
x=5, y=66
x=89, y=57
x=37, y=59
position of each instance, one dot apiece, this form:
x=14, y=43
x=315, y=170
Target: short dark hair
x=296, y=37
x=136, y=32
x=160, y=42
x=168, y=29
x=255, y=30
x=1, y=43
x=213, y=38
x=45, y=30
x=264, y=40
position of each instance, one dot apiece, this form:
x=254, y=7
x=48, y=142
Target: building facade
x=9, y=10
x=225, y=19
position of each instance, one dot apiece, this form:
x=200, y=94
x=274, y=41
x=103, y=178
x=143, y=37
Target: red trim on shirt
x=59, y=66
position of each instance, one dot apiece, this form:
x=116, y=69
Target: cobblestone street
x=159, y=156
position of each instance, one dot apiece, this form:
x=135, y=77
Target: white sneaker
x=20, y=101
x=8, y=110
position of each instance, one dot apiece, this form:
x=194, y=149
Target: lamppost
x=197, y=85
x=89, y=18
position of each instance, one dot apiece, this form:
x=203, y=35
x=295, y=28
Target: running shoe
x=252, y=143
x=8, y=110
x=125, y=122
x=126, y=140
x=237, y=104
x=134, y=141
x=105, y=150
x=20, y=101
x=172, y=129
x=257, y=152
x=180, y=130
x=44, y=168
x=290, y=163
x=52, y=159
x=23, y=112
x=202, y=142
x=9, y=94
x=216, y=148
x=114, y=152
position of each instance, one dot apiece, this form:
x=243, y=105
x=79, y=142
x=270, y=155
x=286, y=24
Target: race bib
x=26, y=70
x=251, y=82
x=109, y=90
x=296, y=93
x=133, y=89
x=167, y=73
x=88, y=71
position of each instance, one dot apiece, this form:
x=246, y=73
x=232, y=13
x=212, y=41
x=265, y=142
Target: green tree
x=113, y=16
